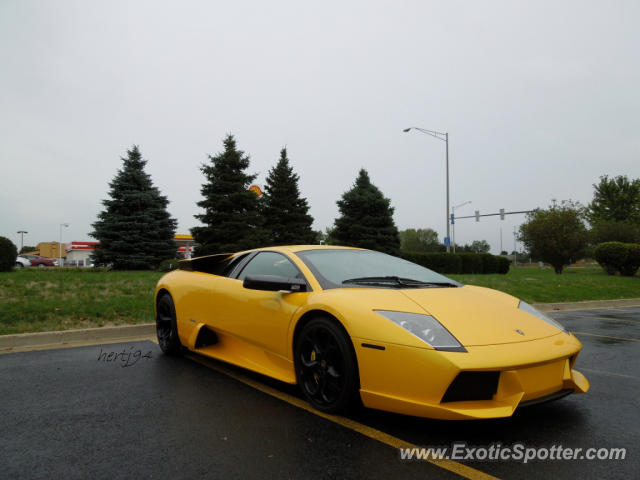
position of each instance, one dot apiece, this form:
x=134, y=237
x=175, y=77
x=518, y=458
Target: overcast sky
x=539, y=99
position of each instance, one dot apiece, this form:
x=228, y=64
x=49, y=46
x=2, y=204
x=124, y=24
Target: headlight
x=524, y=306
x=426, y=328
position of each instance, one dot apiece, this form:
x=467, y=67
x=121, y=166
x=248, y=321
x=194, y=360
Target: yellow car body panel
x=398, y=371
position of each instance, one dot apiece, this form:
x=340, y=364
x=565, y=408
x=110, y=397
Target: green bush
x=168, y=264
x=632, y=263
x=489, y=263
x=474, y=263
x=438, y=262
x=471, y=262
x=8, y=254
x=611, y=256
x=503, y=265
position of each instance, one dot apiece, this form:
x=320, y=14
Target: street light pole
x=446, y=141
x=444, y=137
x=22, y=232
x=60, y=244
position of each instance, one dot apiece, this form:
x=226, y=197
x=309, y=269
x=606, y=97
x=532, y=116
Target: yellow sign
x=256, y=189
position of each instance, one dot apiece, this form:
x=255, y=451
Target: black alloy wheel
x=326, y=368
x=167, y=326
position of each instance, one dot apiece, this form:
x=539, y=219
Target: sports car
x=354, y=326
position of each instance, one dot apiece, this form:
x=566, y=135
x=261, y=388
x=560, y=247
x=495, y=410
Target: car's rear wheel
x=167, y=326
x=326, y=368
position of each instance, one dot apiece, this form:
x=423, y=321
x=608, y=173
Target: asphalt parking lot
x=80, y=412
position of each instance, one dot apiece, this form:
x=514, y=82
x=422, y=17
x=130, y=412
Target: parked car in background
x=22, y=262
x=38, y=261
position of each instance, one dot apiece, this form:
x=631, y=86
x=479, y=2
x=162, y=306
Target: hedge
x=168, y=264
x=618, y=257
x=459, y=262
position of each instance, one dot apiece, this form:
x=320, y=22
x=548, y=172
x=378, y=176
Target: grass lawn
x=535, y=285
x=38, y=300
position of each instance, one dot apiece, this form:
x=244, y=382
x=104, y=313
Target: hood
x=480, y=316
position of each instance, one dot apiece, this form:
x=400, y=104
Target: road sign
x=447, y=241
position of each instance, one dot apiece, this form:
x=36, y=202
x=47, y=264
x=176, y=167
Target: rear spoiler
x=208, y=263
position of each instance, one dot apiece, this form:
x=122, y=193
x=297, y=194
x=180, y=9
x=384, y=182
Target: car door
x=261, y=317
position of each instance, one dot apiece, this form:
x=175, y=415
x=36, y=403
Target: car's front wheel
x=19, y=265
x=167, y=326
x=326, y=367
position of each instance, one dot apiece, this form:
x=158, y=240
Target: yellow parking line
x=455, y=467
x=606, y=336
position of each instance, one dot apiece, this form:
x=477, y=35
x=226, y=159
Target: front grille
x=472, y=386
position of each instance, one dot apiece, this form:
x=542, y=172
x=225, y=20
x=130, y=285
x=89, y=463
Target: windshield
x=366, y=268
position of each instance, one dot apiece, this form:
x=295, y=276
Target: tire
x=41, y=265
x=167, y=326
x=19, y=265
x=326, y=366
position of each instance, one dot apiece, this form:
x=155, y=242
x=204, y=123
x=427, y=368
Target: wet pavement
x=85, y=412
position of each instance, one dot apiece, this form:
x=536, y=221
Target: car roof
x=300, y=248
x=279, y=248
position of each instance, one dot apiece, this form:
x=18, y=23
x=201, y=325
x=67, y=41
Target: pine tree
x=231, y=215
x=285, y=213
x=135, y=230
x=366, y=218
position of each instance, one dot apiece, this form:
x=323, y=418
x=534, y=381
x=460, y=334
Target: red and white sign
x=81, y=246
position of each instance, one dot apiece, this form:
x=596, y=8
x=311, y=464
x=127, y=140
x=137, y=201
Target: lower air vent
x=206, y=338
x=469, y=386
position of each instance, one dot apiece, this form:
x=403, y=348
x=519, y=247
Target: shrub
x=632, y=262
x=489, y=263
x=438, y=262
x=611, y=256
x=168, y=264
x=8, y=254
x=502, y=265
x=471, y=262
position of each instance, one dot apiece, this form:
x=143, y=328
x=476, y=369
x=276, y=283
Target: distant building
x=185, y=245
x=49, y=250
x=79, y=253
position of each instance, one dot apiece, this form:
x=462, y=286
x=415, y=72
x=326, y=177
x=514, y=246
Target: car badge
x=519, y=331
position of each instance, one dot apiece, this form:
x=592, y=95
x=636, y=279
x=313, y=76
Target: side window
x=270, y=263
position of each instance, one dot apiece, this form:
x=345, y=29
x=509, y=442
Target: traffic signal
x=477, y=215
x=502, y=214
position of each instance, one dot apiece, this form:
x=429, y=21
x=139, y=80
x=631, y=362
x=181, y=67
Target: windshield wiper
x=405, y=282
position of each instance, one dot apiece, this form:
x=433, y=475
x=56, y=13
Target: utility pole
x=60, y=244
x=515, y=250
x=444, y=137
x=22, y=232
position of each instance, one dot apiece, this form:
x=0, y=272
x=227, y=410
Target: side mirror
x=274, y=283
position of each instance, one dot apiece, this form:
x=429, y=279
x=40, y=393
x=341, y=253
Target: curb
x=129, y=332
x=61, y=337
x=587, y=305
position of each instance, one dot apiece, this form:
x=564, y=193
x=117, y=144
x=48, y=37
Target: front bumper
x=415, y=381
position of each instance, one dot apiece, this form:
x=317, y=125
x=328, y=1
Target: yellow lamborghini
x=348, y=324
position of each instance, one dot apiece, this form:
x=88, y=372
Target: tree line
x=136, y=231
x=568, y=231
